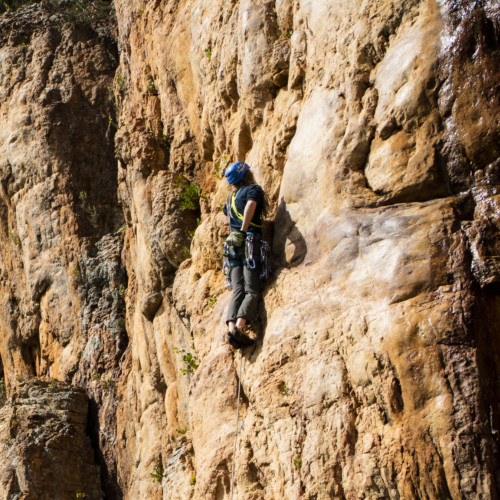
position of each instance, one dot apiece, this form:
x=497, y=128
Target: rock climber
x=245, y=253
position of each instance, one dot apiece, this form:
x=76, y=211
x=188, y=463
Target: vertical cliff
x=62, y=279
x=372, y=127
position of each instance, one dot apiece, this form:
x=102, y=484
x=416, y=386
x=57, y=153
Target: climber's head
x=235, y=172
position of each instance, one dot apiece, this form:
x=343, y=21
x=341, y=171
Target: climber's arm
x=248, y=214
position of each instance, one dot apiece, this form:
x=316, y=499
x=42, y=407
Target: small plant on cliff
x=87, y=207
x=7, y=443
x=193, y=480
x=112, y=123
x=182, y=431
x=185, y=253
x=14, y=237
x=121, y=85
x=106, y=382
x=53, y=385
x=208, y=53
x=283, y=389
x=157, y=473
x=220, y=166
x=81, y=495
x=212, y=300
x=87, y=11
x=122, y=289
x=190, y=196
x=191, y=233
x=298, y=463
x=151, y=88
x=190, y=361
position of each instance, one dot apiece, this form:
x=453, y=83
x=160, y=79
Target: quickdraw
x=249, y=252
x=226, y=267
x=265, y=252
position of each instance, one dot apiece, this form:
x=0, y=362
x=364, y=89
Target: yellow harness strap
x=235, y=210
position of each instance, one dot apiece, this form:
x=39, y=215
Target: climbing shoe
x=241, y=338
x=232, y=342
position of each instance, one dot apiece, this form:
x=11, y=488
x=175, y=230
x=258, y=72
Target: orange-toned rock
x=372, y=127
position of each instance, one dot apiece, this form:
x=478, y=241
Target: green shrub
x=220, y=166
x=13, y=237
x=53, y=385
x=190, y=196
x=283, y=389
x=121, y=85
x=157, y=473
x=87, y=11
x=106, y=382
x=88, y=208
x=151, y=88
x=190, y=361
x=191, y=233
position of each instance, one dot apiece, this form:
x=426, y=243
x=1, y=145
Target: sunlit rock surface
x=373, y=128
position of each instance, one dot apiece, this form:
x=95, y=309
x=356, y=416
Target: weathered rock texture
x=62, y=281
x=373, y=128
x=44, y=451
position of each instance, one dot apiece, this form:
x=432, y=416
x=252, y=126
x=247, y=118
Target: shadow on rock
x=289, y=249
x=289, y=246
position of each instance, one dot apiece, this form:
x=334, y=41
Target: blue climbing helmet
x=235, y=172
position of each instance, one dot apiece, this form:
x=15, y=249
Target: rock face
x=45, y=452
x=373, y=128
x=62, y=281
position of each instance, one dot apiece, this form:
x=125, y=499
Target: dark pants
x=246, y=292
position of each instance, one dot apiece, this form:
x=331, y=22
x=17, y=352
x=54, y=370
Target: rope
x=237, y=431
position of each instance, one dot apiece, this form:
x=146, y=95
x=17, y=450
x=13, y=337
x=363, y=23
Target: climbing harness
x=229, y=257
x=237, y=431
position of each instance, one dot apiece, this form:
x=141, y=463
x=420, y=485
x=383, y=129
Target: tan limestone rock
x=372, y=127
